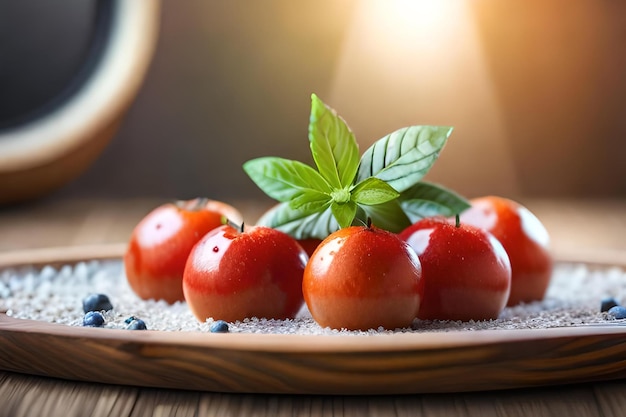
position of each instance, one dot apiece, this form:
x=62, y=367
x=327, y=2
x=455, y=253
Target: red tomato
x=232, y=275
x=362, y=278
x=467, y=274
x=524, y=238
x=161, y=242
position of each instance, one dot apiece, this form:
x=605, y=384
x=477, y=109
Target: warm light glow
x=414, y=62
x=419, y=23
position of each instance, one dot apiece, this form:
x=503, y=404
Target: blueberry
x=136, y=324
x=130, y=319
x=607, y=304
x=617, y=312
x=93, y=319
x=97, y=302
x=219, y=326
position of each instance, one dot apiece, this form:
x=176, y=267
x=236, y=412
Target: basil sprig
x=384, y=184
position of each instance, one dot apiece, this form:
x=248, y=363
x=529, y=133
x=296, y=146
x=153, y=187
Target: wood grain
x=59, y=256
x=24, y=396
x=266, y=363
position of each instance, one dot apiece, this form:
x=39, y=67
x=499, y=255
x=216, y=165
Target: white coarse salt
x=55, y=295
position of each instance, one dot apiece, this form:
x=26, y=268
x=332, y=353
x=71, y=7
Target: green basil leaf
x=281, y=213
x=283, y=179
x=298, y=224
x=310, y=201
x=426, y=199
x=333, y=145
x=388, y=190
x=402, y=158
x=388, y=216
x=373, y=191
x=344, y=213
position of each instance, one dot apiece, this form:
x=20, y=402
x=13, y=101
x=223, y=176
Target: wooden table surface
x=577, y=228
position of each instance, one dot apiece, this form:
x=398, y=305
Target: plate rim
x=327, y=357
x=282, y=343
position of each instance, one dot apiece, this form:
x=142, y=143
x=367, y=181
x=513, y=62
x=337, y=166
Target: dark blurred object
x=68, y=71
x=41, y=68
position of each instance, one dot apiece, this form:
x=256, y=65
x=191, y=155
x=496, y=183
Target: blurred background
x=535, y=90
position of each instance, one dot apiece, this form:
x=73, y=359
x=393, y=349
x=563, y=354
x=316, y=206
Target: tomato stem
x=232, y=224
x=457, y=220
x=369, y=222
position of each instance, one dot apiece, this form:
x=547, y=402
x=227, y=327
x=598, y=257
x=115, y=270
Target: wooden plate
x=331, y=364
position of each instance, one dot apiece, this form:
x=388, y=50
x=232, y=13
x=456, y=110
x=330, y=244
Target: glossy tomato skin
x=363, y=278
x=466, y=271
x=232, y=275
x=160, y=244
x=525, y=239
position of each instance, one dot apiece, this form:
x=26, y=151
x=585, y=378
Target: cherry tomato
x=524, y=238
x=467, y=274
x=363, y=277
x=233, y=274
x=160, y=244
